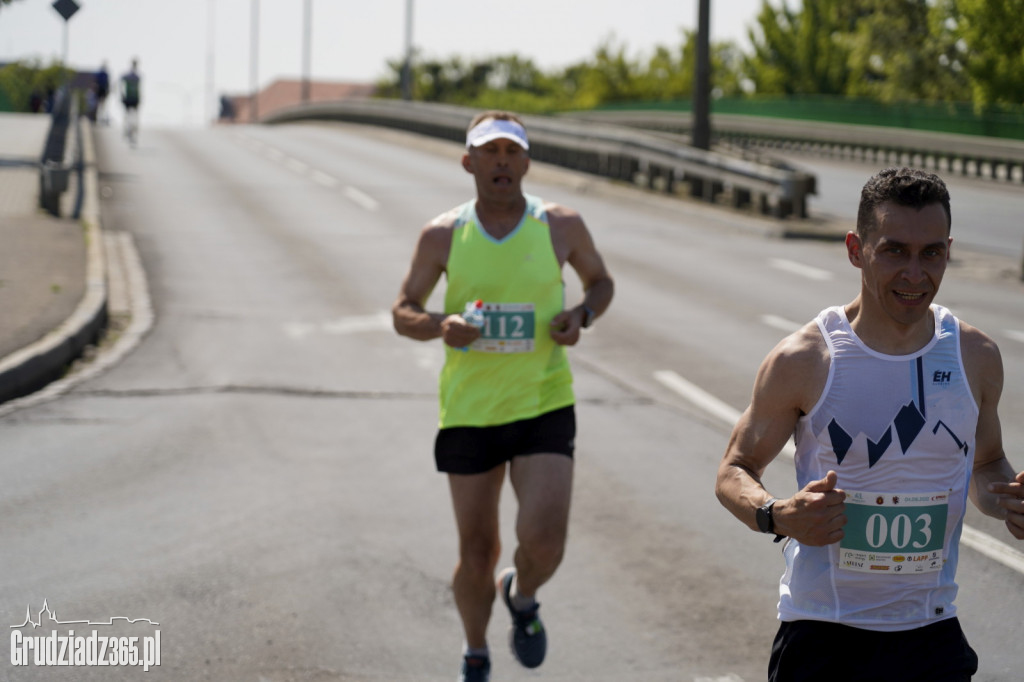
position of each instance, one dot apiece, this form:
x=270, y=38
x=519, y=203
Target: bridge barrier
x=659, y=161
x=970, y=155
x=62, y=155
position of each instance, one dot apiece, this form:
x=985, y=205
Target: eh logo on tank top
x=908, y=424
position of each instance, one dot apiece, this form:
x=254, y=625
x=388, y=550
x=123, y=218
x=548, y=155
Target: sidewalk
x=46, y=269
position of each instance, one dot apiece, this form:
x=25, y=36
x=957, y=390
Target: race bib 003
x=508, y=328
x=894, y=532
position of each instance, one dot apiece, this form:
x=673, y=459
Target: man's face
x=902, y=260
x=498, y=167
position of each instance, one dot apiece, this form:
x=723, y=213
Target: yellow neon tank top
x=515, y=370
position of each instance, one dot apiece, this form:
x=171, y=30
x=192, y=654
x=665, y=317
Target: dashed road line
x=353, y=194
x=980, y=542
x=322, y=178
x=698, y=396
x=346, y=325
x=1015, y=335
x=795, y=268
x=296, y=165
x=361, y=198
x=780, y=323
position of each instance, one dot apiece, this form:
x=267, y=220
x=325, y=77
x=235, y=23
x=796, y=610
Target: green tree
x=610, y=76
x=900, y=50
x=994, y=48
x=20, y=80
x=801, y=51
x=886, y=50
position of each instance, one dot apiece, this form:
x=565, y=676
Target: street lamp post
x=307, y=57
x=407, y=63
x=702, y=81
x=67, y=9
x=211, y=37
x=254, y=54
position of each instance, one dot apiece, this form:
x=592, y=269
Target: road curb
x=30, y=368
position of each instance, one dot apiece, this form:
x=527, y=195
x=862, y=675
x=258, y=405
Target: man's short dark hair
x=903, y=186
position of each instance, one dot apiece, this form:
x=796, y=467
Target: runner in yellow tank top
x=506, y=389
x=515, y=370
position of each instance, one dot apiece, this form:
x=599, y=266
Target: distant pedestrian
x=131, y=97
x=102, y=90
x=227, y=109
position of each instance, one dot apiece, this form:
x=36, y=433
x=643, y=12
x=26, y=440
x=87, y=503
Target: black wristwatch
x=588, y=316
x=765, y=520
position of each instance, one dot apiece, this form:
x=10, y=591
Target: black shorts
x=476, y=449
x=811, y=651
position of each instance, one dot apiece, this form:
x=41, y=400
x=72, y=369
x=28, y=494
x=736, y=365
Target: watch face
x=764, y=519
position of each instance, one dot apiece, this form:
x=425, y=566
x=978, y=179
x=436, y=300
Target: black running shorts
x=476, y=449
x=812, y=651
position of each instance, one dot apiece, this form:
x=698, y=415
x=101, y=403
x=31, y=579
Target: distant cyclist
x=131, y=90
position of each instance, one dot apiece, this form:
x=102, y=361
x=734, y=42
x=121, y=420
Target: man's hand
x=458, y=333
x=1011, y=498
x=565, y=327
x=815, y=515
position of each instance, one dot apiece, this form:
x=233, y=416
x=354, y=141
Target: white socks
x=475, y=653
x=520, y=602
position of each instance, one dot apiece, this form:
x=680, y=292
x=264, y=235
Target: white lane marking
x=427, y=357
x=980, y=542
x=729, y=677
x=346, y=325
x=993, y=549
x=795, y=268
x=698, y=396
x=361, y=198
x=322, y=178
x=780, y=323
x=295, y=165
x=1015, y=335
x=274, y=154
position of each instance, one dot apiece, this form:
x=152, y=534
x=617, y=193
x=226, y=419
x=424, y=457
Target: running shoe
x=475, y=669
x=527, y=637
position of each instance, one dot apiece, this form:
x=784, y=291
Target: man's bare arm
x=788, y=384
x=429, y=261
x=574, y=245
x=996, y=489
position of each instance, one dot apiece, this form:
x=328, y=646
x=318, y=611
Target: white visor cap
x=494, y=128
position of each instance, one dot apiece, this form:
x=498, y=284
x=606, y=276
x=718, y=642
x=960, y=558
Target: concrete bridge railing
x=660, y=161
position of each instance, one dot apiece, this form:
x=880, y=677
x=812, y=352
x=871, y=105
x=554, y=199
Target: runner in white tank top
x=893, y=405
x=900, y=431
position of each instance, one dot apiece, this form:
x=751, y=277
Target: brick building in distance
x=284, y=93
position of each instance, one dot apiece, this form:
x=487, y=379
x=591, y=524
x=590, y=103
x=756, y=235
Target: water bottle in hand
x=474, y=314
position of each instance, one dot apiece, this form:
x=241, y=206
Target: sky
x=192, y=51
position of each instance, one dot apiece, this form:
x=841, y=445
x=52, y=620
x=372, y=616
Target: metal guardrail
x=969, y=155
x=60, y=157
x=659, y=161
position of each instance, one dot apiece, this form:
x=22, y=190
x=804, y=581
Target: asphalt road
x=986, y=213
x=257, y=477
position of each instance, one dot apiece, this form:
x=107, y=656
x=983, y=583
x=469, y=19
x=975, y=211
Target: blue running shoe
x=527, y=637
x=475, y=669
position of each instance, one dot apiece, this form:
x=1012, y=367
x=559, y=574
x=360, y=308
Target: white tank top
x=899, y=431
